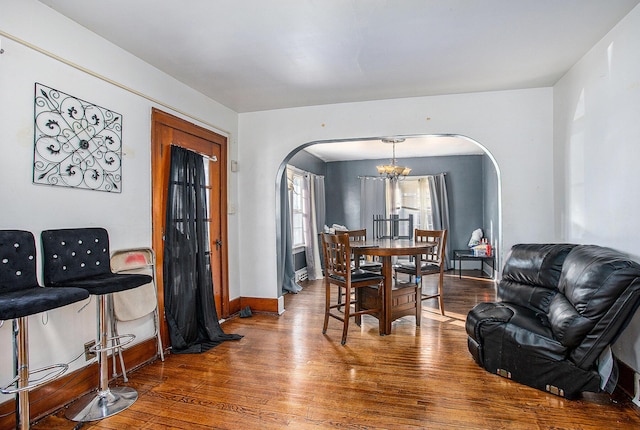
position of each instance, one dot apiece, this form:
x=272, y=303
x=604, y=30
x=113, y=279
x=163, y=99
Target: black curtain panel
x=188, y=286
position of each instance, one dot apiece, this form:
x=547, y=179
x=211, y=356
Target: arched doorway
x=477, y=167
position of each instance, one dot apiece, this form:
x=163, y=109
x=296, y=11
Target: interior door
x=169, y=130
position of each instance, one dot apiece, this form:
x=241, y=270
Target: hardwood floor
x=285, y=373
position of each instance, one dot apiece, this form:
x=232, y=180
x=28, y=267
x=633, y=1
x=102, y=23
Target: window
x=297, y=198
x=411, y=196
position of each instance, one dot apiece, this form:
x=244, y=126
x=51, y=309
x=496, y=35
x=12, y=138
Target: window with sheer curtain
x=411, y=196
x=298, y=222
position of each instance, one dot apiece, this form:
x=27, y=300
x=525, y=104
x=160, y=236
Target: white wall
x=26, y=28
x=515, y=126
x=597, y=153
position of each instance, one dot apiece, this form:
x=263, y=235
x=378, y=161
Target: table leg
x=385, y=321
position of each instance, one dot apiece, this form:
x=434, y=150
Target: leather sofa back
x=531, y=274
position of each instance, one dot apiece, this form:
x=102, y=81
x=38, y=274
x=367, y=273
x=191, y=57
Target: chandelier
x=392, y=170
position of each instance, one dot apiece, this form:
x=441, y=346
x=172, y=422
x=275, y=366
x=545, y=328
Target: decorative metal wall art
x=76, y=143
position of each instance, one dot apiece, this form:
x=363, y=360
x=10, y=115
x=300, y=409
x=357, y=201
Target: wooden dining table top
x=389, y=247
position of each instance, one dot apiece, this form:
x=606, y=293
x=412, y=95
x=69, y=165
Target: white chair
x=134, y=304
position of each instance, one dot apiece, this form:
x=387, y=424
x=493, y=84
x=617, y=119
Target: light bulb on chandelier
x=392, y=170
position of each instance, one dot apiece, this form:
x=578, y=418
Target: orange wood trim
x=162, y=127
x=50, y=397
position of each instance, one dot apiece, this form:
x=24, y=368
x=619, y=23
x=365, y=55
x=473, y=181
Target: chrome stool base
x=106, y=401
x=96, y=406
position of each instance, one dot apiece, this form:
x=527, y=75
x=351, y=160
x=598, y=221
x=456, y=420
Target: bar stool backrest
x=73, y=254
x=17, y=260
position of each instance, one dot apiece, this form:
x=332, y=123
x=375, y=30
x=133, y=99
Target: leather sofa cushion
x=530, y=331
x=536, y=264
x=534, y=297
x=568, y=326
x=592, y=280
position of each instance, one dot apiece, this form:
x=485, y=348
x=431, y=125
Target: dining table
x=385, y=249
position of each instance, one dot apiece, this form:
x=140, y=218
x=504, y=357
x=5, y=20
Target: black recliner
x=561, y=307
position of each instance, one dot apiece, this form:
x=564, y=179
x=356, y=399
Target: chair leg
x=347, y=312
x=156, y=320
x=116, y=340
x=440, y=300
x=106, y=402
x=327, y=304
x=418, y=300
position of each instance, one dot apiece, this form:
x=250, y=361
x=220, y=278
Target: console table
x=466, y=254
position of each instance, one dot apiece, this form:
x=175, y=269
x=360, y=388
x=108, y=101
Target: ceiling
x=253, y=55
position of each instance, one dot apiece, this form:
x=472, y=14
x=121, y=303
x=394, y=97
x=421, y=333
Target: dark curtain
x=188, y=286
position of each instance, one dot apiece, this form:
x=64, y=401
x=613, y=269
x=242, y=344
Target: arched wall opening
x=491, y=189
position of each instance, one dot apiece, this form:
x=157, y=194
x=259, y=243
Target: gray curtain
x=286, y=271
x=372, y=202
x=314, y=185
x=440, y=208
x=320, y=202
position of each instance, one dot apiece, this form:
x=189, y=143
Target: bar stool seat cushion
x=29, y=301
x=106, y=283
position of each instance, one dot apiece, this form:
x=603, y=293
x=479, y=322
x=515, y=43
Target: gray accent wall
x=472, y=185
x=465, y=184
x=308, y=162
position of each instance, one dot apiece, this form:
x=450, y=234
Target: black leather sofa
x=560, y=308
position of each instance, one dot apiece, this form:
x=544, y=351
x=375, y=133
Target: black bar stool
x=80, y=258
x=21, y=296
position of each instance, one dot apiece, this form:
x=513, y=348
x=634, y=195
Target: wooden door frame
x=162, y=125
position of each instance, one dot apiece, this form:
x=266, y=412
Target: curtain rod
x=301, y=171
x=416, y=176
x=208, y=157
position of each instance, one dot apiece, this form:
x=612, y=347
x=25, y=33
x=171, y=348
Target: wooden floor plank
x=285, y=373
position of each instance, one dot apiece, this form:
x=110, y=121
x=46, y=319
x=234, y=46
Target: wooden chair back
x=437, y=254
x=393, y=227
x=337, y=255
x=355, y=235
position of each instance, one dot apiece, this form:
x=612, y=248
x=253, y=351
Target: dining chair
x=136, y=303
x=372, y=266
x=393, y=227
x=430, y=263
x=338, y=271
x=21, y=296
x=361, y=236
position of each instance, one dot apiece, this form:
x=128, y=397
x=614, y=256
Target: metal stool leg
x=20, y=385
x=106, y=402
x=21, y=362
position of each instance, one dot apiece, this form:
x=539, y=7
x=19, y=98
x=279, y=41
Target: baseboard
x=56, y=394
x=255, y=303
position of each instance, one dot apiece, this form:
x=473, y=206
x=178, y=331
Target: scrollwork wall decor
x=76, y=143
